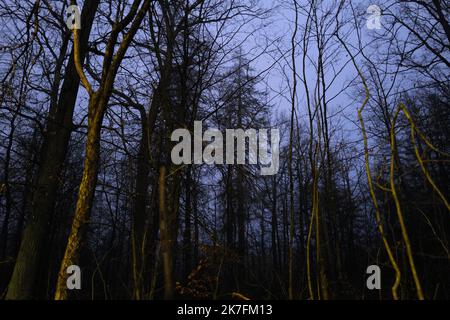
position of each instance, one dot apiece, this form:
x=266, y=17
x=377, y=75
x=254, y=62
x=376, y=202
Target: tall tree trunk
x=229, y=225
x=241, y=216
x=274, y=230
x=8, y=197
x=140, y=232
x=85, y=200
x=27, y=194
x=166, y=241
x=53, y=153
x=140, y=214
x=196, y=224
x=187, y=243
x=290, y=160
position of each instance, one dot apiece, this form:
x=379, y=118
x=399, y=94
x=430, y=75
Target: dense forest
x=92, y=91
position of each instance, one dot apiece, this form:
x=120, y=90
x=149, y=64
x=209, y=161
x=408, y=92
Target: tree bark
x=84, y=203
x=140, y=213
x=165, y=226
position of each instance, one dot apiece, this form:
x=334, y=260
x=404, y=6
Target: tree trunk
x=85, y=199
x=274, y=231
x=187, y=243
x=167, y=233
x=140, y=234
x=53, y=153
